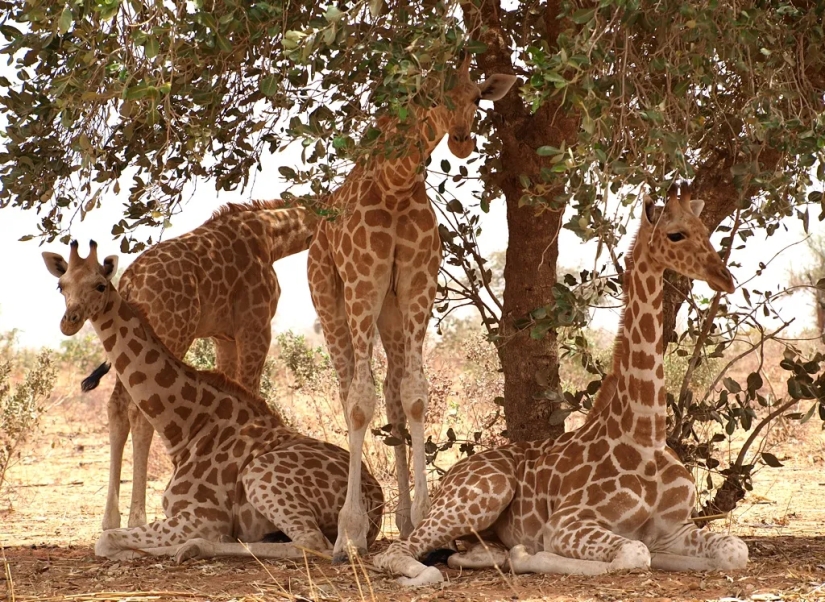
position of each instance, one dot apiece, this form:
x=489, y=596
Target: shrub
x=201, y=355
x=306, y=363
x=21, y=408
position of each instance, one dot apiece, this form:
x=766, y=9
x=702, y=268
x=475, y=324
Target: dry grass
x=50, y=513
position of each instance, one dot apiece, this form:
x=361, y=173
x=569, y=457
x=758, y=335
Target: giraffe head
x=678, y=240
x=84, y=283
x=457, y=113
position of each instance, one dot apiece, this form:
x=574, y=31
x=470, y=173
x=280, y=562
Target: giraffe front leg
x=118, y=411
x=689, y=548
x=159, y=538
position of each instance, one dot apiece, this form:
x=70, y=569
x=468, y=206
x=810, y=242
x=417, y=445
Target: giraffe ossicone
x=610, y=495
x=240, y=473
x=376, y=267
x=216, y=281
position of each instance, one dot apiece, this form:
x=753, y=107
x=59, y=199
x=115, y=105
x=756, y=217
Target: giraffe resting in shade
x=610, y=495
x=376, y=266
x=216, y=281
x=240, y=473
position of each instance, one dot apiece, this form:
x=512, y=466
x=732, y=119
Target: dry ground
x=51, y=508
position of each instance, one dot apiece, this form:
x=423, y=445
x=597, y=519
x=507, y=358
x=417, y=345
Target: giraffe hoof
x=429, y=576
x=194, y=548
x=344, y=558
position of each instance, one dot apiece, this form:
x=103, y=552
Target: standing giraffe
x=610, y=495
x=377, y=266
x=240, y=474
x=216, y=281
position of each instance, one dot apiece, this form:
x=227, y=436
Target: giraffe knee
x=631, y=555
x=731, y=553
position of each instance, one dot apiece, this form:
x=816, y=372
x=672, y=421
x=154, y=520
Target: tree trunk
x=531, y=367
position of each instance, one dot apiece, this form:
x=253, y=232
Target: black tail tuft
x=438, y=556
x=93, y=380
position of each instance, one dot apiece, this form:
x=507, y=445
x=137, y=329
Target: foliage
x=83, y=351
x=202, y=355
x=21, y=407
x=306, y=363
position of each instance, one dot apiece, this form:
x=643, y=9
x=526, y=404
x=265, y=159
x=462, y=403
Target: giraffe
x=216, y=281
x=240, y=473
x=376, y=266
x=610, y=495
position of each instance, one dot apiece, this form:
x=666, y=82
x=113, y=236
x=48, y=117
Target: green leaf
x=392, y=441
x=754, y=381
x=445, y=166
x=65, y=21
x=583, y=15
x=455, y=206
x=332, y=14
x=547, y=151
x=731, y=385
x=269, y=85
x=476, y=47
x=771, y=460
x=151, y=47
x=223, y=43
x=558, y=417
x=376, y=8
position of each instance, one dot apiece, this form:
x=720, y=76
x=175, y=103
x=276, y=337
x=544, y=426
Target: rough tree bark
x=530, y=269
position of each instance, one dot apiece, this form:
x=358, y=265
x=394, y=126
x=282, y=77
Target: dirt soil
x=51, y=507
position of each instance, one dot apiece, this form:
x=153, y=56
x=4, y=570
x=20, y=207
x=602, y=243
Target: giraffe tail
x=93, y=380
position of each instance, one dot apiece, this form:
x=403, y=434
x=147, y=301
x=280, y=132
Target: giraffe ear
x=496, y=86
x=651, y=211
x=109, y=267
x=696, y=206
x=55, y=263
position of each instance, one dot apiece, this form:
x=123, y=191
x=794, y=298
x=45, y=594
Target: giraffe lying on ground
x=376, y=266
x=610, y=495
x=240, y=473
x=216, y=281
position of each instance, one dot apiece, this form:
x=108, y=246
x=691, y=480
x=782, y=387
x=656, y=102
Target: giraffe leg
x=392, y=337
x=118, y=410
x=226, y=357
x=142, y=433
x=689, y=548
x=415, y=291
x=580, y=545
x=326, y=287
x=288, y=507
x=253, y=342
x=135, y=542
x=472, y=497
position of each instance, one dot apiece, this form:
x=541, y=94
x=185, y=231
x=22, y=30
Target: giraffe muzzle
x=72, y=322
x=461, y=144
x=722, y=280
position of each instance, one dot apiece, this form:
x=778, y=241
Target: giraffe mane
x=213, y=378
x=256, y=205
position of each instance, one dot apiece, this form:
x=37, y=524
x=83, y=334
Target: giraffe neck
x=287, y=231
x=399, y=173
x=174, y=397
x=640, y=401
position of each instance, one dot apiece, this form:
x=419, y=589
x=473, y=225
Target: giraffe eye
x=100, y=288
x=676, y=236
x=59, y=287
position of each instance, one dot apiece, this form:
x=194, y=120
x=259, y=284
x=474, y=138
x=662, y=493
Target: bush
x=21, y=408
x=202, y=355
x=82, y=351
x=306, y=363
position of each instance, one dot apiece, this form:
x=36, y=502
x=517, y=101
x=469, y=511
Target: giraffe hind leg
x=466, y=503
